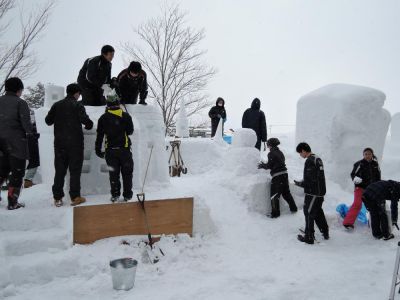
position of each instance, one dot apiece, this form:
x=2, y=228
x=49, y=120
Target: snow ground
x=242, y=254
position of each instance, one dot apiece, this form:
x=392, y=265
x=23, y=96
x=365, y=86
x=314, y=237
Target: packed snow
x=236, y=251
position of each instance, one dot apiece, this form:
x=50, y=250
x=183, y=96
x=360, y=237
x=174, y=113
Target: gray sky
x=274, y=50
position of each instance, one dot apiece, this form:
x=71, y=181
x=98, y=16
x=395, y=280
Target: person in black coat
x=16, y=128
x=95, y=72
x=217, y=113
x=67, y=116
x=280, y=180
x=374, y=198
x=132, y=83
x=254, y=118
x=116, y=126
x=365, y=172
x=314, y=189
x=34, y=158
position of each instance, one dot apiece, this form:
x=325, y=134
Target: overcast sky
x=274, y=50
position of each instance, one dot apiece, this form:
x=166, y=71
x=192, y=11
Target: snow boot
x=28, y=183
x=77, y=200
x=389, y=237
x=326, y=235
x=308, y=239
x=126, y=199
x=114, y=199
x=13, y=195
x=58, y=202
x=348, y=226
x=142, y=102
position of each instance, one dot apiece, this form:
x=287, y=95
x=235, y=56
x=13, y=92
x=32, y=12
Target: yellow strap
x=116, y=112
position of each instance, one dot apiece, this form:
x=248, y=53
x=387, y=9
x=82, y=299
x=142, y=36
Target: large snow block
x=338, y=121
x=149, y=133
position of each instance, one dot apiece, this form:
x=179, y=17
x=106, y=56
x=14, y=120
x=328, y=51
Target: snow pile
x=244, y=137
x=338, y=121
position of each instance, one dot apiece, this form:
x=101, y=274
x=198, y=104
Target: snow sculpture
x=338, y=121
x=244, y=137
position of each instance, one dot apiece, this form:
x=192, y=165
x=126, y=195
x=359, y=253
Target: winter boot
x=389, y=237
x=58, y=202
x=348, y=226
x=142, y=102
x=307, y=238
x=13, y=195
x=126, y=199
x=275, y=214
x=326, y=235
x=77, y=200
x=28, y=183
x=114, y=199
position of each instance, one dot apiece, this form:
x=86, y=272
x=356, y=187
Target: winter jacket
x=68, y=115
x=314, y=177
x=95, y=72
x=276, y=161
x=216, y=114
x=33, y=145
x=129, y=87
x=369, y=172
x=115, y=125
x=383, y=190
x=254, y=118
x=15, y=125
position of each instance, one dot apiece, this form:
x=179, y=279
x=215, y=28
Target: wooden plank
x=95, y=222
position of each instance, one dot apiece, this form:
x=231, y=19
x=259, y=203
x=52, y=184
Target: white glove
x=357, y=180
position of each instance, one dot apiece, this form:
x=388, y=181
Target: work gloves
x=262, y=166
x=357, y=180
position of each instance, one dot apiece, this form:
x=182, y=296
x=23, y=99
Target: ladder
x=396, y=274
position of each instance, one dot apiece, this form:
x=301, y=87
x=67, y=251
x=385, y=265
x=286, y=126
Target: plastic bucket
x=123, y=272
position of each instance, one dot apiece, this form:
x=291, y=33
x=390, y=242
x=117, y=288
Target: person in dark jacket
x=280, y=180
x=95, y=72
x=374, y=198
x=67, y=116
x=132, y=83
x=217, y=113
x=116, y=126
x=254, y=118
x=15, y=128
x=34, y=158
x=314, y=190
x=365, y=172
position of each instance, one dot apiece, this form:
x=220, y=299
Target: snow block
x=338, y=121
x=52, y=93
x=244, y=137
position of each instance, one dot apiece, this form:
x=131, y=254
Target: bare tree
x=170, y=55
x=16, y=58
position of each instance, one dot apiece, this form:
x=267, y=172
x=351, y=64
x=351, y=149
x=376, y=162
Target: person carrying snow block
x=365, y=172
x=116, y=125
x=95, y=72
x=217, y=113
x=132, y=83
x=254, y=118
x=15, y=129
x=374, y=198
x=314, y=189
x=68, y=116
x=280, y=181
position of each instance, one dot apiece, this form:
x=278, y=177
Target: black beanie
x=13, y=84
x=135, y=67
x=107, y=49
x=73, y=88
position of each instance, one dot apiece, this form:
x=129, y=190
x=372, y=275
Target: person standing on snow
x=314, y=189
x=95, y=72
x=132, y=83
x=116, y=126
x=34, y=158
x=280, y=181
x=67, y=116
x=217, y=113
x=365, y=172
x=15, y=127
x=374, y=198
x=254, y=118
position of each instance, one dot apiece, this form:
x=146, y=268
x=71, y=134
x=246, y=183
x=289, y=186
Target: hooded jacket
x=254, y=118
x=369, y=172
x=215, y=112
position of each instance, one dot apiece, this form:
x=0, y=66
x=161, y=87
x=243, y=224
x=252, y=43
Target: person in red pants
x=365, y=172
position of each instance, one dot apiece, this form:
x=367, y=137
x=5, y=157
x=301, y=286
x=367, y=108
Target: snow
x=244, y=137
x=236, y=251
x=391, y=159
x=182, y=122
x=338, y=121
x=52, y=93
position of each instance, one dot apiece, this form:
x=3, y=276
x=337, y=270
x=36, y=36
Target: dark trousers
x=313, y=212
x=120, y=162
x=71, y=159
x=258, y=144
x=280, y=186
x=93, y=97
x=379, y=218
x=12, y=168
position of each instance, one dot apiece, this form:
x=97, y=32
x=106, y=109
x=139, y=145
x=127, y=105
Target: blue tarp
x=342, y=209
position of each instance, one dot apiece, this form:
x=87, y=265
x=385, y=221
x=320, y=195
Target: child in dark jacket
x=217, y=113
x=280, y=181
x=365, y=172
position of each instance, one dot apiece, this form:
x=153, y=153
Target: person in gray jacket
x=15, y=126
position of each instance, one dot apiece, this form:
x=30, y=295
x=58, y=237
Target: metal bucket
x=123, y=272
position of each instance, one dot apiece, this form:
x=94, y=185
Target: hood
x=256, y=104
x=218, y=100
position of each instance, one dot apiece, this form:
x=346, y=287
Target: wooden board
x=95, y=222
